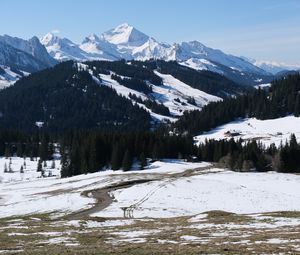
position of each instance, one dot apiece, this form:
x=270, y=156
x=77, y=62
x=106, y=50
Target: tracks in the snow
x=104, y=199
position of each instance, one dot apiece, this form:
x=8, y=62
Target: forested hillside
x=64, y=97
x=282, y=99
x=206, y=81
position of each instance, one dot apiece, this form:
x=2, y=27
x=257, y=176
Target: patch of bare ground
x=213, y=232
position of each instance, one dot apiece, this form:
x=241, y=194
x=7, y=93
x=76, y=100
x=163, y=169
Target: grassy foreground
x=209, y=233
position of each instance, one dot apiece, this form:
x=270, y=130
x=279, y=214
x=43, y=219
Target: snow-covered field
x=30, y=194
x=266, y=131
x=178, y=205
x=215, y=190
x=170, y=189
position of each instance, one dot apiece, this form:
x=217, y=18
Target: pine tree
x=5, y=168
x=39, y=166
x=127, y=161
x=21, y=170
x=7, y=151
x=10, y=168
x=143, y=161
x=19, y=150
x=116, y=158
x=297, y=106
x=53, y=164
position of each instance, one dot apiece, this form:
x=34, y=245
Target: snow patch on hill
x=7, y=77
x=266, y=131
x=174, y=94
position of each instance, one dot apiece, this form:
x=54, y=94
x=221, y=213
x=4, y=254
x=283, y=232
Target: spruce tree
x=53, y=164
x=7, y=151
x=19, y=150
x=116, y=158
x=39, y=166
x=127, y=161
x=5, y=168
x=143, y=161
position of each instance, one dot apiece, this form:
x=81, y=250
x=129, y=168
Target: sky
x=259, y=29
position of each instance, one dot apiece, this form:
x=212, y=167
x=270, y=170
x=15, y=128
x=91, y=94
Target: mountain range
x=19, y=56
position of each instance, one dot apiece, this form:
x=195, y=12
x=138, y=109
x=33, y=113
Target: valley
x=177, y=136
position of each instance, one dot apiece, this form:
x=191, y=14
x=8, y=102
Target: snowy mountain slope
x=273, y=67
x=173, y=94
x=125, y=34
x=8, y=77
x=126, y=42
x=62, y=49
x=99, y=50
x=196, y=50
x=174, y=89
x=18, y=59
x=266, y=131
x=31, y=46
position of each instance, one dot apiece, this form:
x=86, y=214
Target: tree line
x=282, y=99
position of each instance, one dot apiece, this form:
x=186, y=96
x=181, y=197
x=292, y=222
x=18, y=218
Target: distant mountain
x=62, y=49
x=32, y=47
x=127, y=42
x=19, y=57
x=274, y=67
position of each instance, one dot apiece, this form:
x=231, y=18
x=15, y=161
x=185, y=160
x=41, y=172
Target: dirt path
x=103, y=197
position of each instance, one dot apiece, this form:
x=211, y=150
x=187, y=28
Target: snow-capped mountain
x=127, y=42
x=62, y=49
x=96, y=48
x=19, y=57
x=125, y=34
x=275, y=67
x=194, y=51
x=31, y=46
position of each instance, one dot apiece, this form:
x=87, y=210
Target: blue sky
x=261, y=29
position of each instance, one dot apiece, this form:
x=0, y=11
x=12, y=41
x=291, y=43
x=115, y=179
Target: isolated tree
x=5, y=168
x=10, y=168
x=7, y=151
x=21, y=170
x=39, y=166
x=53, y=164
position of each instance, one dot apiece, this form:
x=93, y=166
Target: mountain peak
x=125, y=34
x=91, y=38
x=49, y=38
